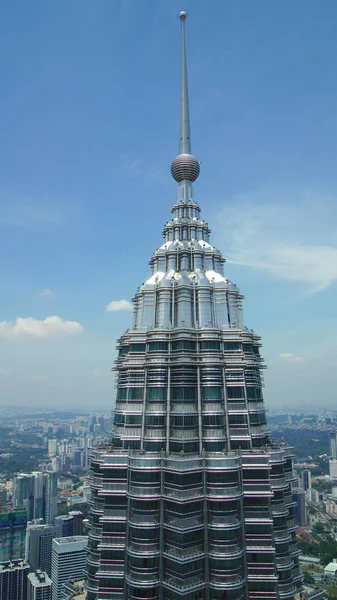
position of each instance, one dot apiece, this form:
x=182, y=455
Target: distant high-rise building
x=51, y=496
x=39, y=586
x=37, y=491
x=300, y=510
x=3, y=497
x=333, y=444
x=68, y=560
x=78, y=459
x=306, y=479
x=23, y=492
x=13, y=580
x=333, y=468
x=190, y=498
x=70, y=524
x=52, y=447
x=39, y=546
x=13, y=524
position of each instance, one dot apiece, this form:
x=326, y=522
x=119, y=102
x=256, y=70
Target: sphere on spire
x=185, y=166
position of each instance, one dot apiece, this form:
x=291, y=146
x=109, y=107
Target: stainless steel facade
x=190, y=499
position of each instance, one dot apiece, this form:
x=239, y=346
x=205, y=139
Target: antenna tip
x=182, y=15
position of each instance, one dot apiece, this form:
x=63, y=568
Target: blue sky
x=89, y=127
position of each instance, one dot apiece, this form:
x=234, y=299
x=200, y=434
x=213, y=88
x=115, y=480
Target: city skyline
x=81, y=151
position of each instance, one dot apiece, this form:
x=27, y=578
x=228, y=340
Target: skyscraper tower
x=333, y=444
x=190, y=499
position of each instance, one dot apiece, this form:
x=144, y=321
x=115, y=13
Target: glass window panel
x=137, y=347
x=235, y=392
x=254, y=393
x=136, y=393
x=184, y=393
x=133, y=419
x=212, y=392
x=210, y=345
x=183, y=345
x=156, y=393
x=123, y=350
x=232, y=346
x=154, y=346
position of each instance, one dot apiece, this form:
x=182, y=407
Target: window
x=254, y=393
x=228, y=346
x=121, y=394
x=155, y=346
x=215, y=446
x=213, y=420
x=133, y=419
x=212, y=392
x=236, y=392
x=123, y=350
x=136, y=393
x=187, y=447
x=222, y=477
x=183, y=480
x=237, y=419
x=183, y=345
x=145, y=476
x=156, y=393
x=251, y=348
x=153, y=446
x=155, y=420
x=184, y=393
x=119, y=419
x=137, y=347
x=257, y=418
x=210, y=345
x=184, y=421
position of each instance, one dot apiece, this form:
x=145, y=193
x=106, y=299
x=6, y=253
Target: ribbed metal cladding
x=185, y=166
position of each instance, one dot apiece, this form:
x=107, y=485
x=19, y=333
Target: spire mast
x=185, y=132
x=185, y=168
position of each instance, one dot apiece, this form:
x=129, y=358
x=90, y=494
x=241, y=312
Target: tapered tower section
x=190, y=499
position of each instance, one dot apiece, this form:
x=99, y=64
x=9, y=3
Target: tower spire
x=185, y=130
x=185, y=168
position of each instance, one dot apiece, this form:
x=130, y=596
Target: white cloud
x=30, y=327
x=47, y=293
x=118, y=305
x=4, y=372
x=289, y=236
x=287, y=356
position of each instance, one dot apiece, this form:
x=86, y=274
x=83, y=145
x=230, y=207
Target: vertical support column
x=155, y=298
x=199, y=406
x=168, y=407
x=205, y=503
x=214, y=319
x=246, y=403
x=173, y=305
x=142, y=431
x=127, y=526
x=195, y=319
x=226, y=407
x=243, y=531
x=161, y=529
